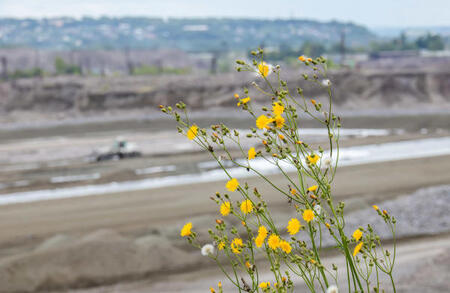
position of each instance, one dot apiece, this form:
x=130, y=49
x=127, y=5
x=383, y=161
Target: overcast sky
x=373, y=13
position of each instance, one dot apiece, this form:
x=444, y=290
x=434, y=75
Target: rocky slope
x=353, y=89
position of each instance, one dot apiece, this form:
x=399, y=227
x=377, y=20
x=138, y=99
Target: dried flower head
x=207, y=249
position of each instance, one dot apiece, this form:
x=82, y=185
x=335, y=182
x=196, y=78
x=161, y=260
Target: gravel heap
x=425, y=212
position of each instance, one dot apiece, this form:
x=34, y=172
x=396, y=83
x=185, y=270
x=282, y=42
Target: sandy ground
x=149, y=208
x=65, y=237
x=417, y=260
x=101, y=237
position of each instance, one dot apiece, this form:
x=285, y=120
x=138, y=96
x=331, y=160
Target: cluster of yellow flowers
x=277, y=139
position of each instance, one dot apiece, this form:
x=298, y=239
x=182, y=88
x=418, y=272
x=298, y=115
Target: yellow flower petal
x=225, y=208
x=263, y=122
x=279, y=121
x=186, y=230
x=192, y=132
x=277, y=109
x=232, y=184
x=308, y=215
x=273, y=241
x=313, y=188
x=285, y=246
x=293, y=226
x=246, y=206
x=236, y=245
x=251, y=153
x=262, y=234
x=263, y=69
x=312, y=159
x=357, y=248
x=357, y=234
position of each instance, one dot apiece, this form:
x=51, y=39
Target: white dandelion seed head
x=327, y=162
x=318, y=209
x=207, y=249
x=326, y=82
x=333, y=289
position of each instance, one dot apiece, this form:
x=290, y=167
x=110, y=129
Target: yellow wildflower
x=236, y=245
x=263, y=122
x=192, y=132
x=219, y=285
x=232, y=184
x=262, y=234
x=357, y=248
x=313, y=102
x=285, y=246
x=186, y=230
x=281, y=136
x=251, y=153
x=212, y=290
x=277, y=109
x=259, y=241
x=309, y=59
x=279, y=121
x=375, y=207
x=313, y=188
x=293, y=191
x=236, y=96
x=312, y=159
x=273, y=241
x=246, y=206
x=263, y=69
x=225, y=208
x=264, y=285
x=293, y=226
x=221, y=245
x=357, y=234
x=308, y=215
x=299, y=142
x=248, y=265
x=244, y=101
x=302, y=58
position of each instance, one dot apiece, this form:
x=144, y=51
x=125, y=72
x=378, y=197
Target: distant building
x=95, y=61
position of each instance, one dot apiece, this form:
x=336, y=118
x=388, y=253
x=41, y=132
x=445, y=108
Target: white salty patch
x=207, y=249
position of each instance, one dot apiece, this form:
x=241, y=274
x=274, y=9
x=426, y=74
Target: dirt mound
x=98, y=258
x=353, y=90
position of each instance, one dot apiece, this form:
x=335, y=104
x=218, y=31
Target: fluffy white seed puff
x=207, y=249
x=327, y=162
x=318, y=210
x=333, y=289
x=326, y=82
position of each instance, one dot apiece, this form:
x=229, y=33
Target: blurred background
x=95, y=182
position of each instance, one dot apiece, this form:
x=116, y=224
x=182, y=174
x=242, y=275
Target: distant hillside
x=186, y=34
